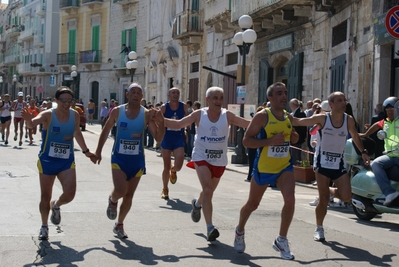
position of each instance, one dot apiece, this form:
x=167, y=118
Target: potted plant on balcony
x=303, y=172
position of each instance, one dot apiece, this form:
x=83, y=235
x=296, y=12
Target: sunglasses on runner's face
x=65, y=100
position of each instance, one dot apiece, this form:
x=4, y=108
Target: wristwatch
x=365, y=151
x=85, y=151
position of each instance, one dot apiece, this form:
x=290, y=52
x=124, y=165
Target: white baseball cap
x=325, y=106
x=20, y=94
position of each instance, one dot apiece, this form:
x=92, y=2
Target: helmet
x=389, y=102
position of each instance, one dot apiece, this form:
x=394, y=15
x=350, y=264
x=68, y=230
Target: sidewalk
x=240, y=168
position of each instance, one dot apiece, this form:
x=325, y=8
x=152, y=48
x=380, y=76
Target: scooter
x=367, y=198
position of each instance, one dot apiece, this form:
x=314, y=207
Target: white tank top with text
x=210, y=143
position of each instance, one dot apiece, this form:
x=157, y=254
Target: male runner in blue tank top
x=173, y=140
x=56, y=156
x=127, y=160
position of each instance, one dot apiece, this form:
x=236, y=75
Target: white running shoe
x=314, y=202
x=319, y=234
x=283, y=247
x=239, y=242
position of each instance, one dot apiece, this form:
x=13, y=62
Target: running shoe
x=43, y=233
x=390, y=198
x=239, y=242
x=173, y=177
x=118, y=230
x=56, y=214
x=283, y=247
x=195, y=212
x=15, y=137
x=112, y=210
x=339, y=204
x=6, y=142
x=26, y=135
x=213, y=234
x=20, y=143
x=30, y=142
x=165, y=193
x=2, y=136
x=319, y=234
x=314, y=202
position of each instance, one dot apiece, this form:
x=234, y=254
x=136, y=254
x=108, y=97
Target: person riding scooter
x=379, y=166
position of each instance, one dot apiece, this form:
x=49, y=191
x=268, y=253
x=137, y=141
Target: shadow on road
x=353, y=254
x=177, y=204
x=63, y=255
x=128, y=250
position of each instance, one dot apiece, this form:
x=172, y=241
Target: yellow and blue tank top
x=129, y=136
x=58, y=138
x=273, y=159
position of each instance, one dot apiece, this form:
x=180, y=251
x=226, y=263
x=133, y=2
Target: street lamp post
x=74, y=74
x=243, y=41
x=14, y=81
x=132, y=64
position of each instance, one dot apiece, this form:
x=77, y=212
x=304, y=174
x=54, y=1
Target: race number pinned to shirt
x=213, y=154
x=279, y=151
x=129, y=147
x=330, y=160
x=58, y=150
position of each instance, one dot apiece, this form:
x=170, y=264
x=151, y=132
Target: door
x=94, y=95
x=337, y=80
x=294, y=81
x=265, y=80
x=193, y=85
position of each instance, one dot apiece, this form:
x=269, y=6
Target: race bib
x=330, y=160
x=213, y=154
x=129, y=147
x=279, y=151
x=61, y=151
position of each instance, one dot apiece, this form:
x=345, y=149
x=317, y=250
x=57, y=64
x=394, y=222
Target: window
x=194, y=67
x=232, y=59
x=129, y=38
x=339, y=33
x=388, y=4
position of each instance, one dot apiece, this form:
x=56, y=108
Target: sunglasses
x=65, y=100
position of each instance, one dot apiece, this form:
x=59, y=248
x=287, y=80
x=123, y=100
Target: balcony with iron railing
x=69, y=4
x=25, y=68
x=188, y=26
x=12, y=58
x=41, y=9
x=38, y=40
x=67, y=59
x=26, y=34
x=124, y=2
x=91, y=3
x=90, y=58
x=14, y=30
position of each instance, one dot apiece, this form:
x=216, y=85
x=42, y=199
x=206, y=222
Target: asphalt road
x=161, y=232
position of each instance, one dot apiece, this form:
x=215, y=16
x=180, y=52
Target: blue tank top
x=129, y=136
x=176, y=115
x=58, y=138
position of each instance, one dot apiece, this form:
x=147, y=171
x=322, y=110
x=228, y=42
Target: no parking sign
x=392, y=22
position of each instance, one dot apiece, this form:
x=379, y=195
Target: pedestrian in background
x=103, y=113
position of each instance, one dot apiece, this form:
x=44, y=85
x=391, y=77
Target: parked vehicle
x=367, y=198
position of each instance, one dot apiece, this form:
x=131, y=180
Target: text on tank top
x=211, y=139
x=331, y=146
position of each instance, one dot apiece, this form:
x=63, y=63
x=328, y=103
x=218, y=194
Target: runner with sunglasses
x=56, y=156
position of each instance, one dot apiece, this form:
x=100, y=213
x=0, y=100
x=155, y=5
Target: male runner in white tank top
x=210, y=150
x=329, y=159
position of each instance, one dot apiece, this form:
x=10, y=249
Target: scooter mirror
x=381, y=134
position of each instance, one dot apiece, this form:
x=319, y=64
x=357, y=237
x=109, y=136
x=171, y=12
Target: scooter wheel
x=362, y=215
